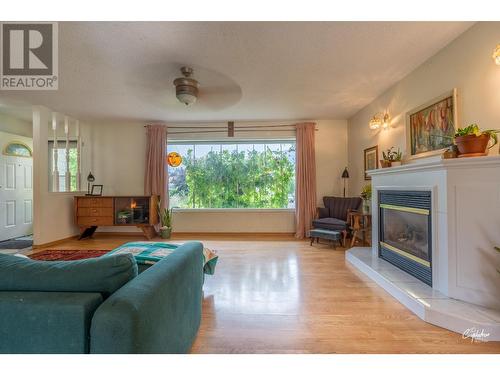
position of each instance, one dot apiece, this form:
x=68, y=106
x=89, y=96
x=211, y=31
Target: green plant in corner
x=366, y=192
x=165, y=216
x=366, y=195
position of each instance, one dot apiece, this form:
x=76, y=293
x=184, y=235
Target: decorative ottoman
x=331, y=235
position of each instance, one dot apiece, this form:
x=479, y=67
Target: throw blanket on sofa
x=152, y=252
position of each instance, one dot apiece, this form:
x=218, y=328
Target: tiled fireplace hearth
x=435, y=225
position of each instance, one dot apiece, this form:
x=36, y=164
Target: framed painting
x=430, y=127
x=371, y=160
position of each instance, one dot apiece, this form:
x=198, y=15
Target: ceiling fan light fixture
x=186, y=88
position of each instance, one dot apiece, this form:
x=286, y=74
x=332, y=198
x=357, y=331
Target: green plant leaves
x=256, y=177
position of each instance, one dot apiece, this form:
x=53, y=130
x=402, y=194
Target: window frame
x=50, y=143
x=281, y=140
x=6, y=151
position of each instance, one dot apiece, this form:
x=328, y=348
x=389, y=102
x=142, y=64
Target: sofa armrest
x=46, y=322
x=157, y=312
x=322, y=212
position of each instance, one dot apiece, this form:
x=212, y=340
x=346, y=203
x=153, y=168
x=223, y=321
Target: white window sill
x=233, y=210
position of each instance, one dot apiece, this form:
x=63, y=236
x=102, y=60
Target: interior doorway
x=16, y=197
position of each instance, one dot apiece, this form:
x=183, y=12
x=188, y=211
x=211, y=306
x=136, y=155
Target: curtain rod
x=225, y=131
x=225, y=127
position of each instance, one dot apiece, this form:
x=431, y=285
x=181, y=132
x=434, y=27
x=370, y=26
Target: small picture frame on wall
x=96, y=190
x=371, y=160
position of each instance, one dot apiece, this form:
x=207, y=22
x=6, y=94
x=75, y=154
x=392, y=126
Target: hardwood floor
x=279, y=295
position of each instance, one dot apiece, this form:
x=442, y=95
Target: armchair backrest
x=338, y=206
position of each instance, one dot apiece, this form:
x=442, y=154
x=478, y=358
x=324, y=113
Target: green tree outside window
x=241, y=176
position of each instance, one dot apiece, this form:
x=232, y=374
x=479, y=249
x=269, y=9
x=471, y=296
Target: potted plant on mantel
x=391, y=158
x=471, y=141
x=165, y=216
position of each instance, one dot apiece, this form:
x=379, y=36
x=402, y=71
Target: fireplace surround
x=462, y=199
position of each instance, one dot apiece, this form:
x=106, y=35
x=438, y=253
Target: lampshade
x=186, y=98
x=345, y=174
x=90, y=177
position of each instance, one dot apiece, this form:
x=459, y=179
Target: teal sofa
x=101, y=305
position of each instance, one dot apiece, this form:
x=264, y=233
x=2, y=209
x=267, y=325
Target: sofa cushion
x=339, y=206
x=103, y=275
x=330, y=223
x=46, y=322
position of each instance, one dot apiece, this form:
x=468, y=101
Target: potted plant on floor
x=165, y=216
x=471, y=141
x=366, y=195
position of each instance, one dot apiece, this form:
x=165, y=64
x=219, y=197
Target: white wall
x=53, y=213
x=6, y=138
x=466, y=64
x=118, y=164
x=13, y=125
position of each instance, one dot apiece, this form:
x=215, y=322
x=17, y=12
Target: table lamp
x=90, y=179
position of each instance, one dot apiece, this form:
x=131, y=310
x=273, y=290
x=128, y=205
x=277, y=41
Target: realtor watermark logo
x=29, y=56
x=476, y=334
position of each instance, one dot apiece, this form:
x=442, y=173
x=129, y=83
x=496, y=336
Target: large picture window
x=256, y=174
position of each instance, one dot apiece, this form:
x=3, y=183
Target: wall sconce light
x=496, y=54
x=379, y=120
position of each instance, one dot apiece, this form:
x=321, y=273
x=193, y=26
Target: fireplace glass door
x=407, y=231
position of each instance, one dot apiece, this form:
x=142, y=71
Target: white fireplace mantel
x=439, y=164
x=465, y=223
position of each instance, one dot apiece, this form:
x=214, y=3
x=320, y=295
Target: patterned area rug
x=67, y=254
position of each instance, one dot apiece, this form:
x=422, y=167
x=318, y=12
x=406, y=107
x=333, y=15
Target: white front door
x=16, y=196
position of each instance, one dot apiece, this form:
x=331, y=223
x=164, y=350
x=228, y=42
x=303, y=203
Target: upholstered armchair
x=334, y=215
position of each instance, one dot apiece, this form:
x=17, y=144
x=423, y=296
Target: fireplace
x=405, y=231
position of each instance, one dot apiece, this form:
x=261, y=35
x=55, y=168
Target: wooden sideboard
x=139, y=211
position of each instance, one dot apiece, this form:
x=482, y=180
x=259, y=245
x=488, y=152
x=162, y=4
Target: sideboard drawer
x=95, y=221
x=95, y=211
x=95, y=202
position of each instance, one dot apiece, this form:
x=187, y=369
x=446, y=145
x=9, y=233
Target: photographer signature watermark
x=475, y=335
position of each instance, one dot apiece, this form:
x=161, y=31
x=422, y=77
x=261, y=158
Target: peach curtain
x=305, y=176
x=156, y=173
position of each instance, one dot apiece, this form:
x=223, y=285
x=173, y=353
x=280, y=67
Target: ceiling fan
x=186, y=88
x=162, y=85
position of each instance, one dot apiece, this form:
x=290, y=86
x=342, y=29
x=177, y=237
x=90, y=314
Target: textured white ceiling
x=247, y=70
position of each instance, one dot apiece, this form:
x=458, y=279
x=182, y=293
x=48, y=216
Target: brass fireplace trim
x=421, y=211
x=405, y=254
